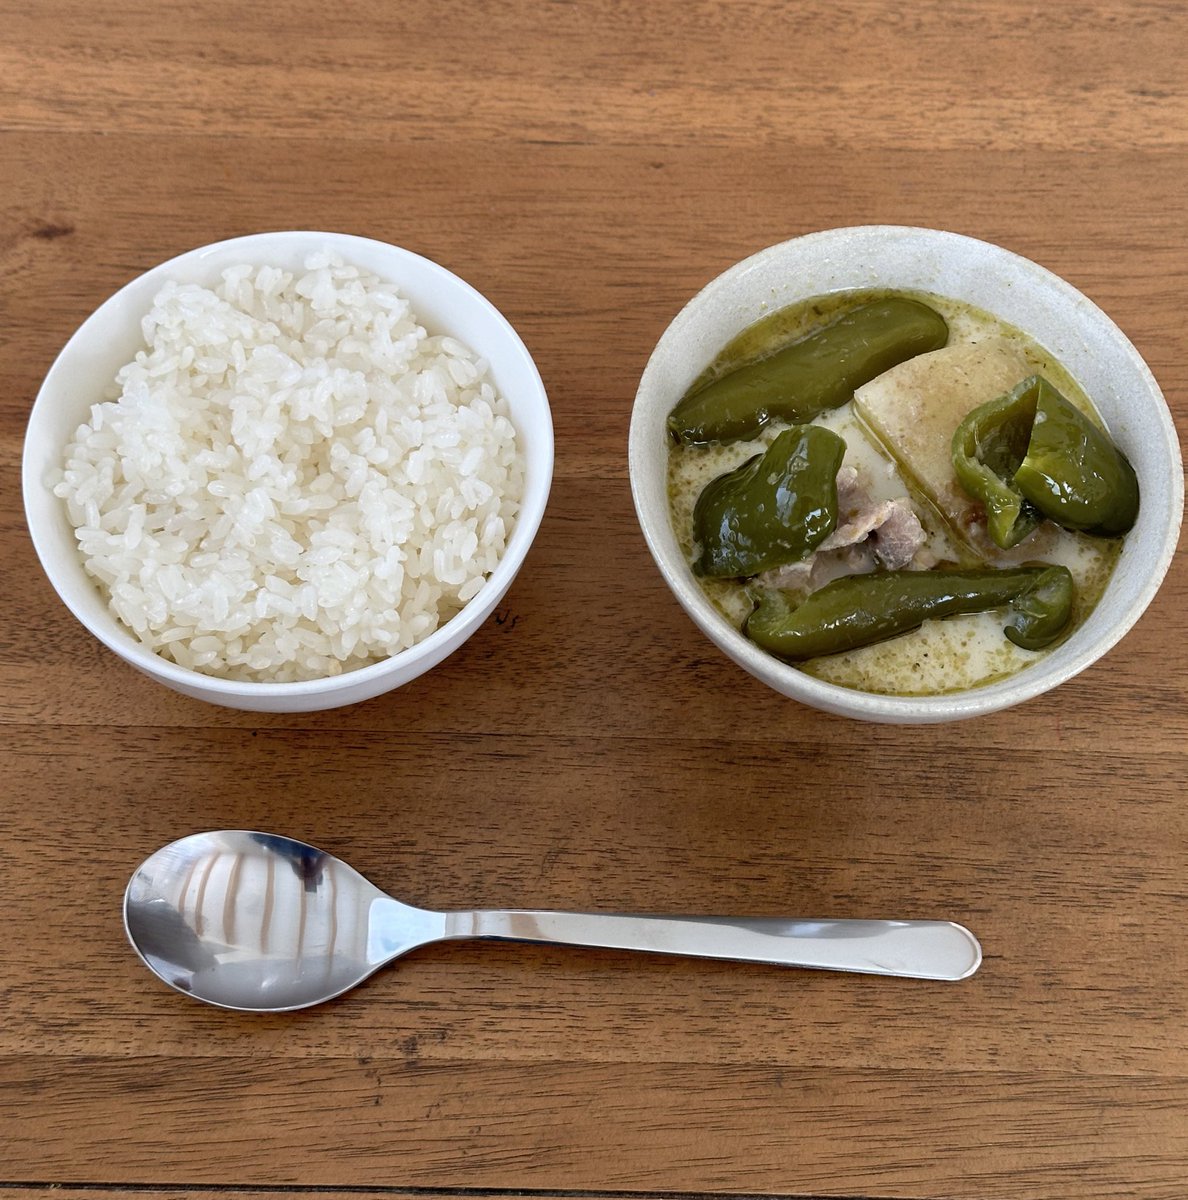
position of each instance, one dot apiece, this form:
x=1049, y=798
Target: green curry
x=948, y=419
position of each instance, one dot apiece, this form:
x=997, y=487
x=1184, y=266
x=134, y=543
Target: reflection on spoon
x=265, y=923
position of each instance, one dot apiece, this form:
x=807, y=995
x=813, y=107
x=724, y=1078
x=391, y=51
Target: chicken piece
x=791, y=577
x=915, y=408
x=868, y=535
x=820, y=567
x=851, y=495
x=899, y=537
x=871, y=522
x=858, y=559
x=892, y=526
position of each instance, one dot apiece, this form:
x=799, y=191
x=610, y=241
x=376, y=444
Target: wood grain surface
x=589, y=167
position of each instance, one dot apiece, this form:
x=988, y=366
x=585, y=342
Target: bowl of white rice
x=289, y=471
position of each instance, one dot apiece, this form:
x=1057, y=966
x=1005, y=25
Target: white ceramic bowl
x=111, y=336
x=1015, y=289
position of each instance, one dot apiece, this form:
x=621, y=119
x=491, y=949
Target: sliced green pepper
x=988, y=448
x=812, y=376
x=1032, y=454
x=1073, y=472
x=774, y=509
x=858, y=610
x=1039, y=613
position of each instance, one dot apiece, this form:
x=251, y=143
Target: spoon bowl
x=263, y=923
x=256, y=921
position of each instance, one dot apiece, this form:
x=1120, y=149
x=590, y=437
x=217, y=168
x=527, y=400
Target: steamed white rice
x=293, y=479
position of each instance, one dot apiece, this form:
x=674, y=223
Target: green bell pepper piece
x=1040, y=613
x=1033, y=454
x=811, y=376
x=1073, y=472
x=988, y=448
x=858, y=610
x=774, y=509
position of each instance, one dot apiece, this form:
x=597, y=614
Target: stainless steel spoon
x=262, y=923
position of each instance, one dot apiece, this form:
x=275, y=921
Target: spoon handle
x=912, y=949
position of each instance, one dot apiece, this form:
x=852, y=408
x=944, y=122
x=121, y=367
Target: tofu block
x=914, y=409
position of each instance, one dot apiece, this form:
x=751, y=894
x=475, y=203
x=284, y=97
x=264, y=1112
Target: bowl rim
x=980, y=700
x=476, y=610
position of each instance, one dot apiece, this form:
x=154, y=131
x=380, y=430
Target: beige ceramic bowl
x=111, y=336
x=1015, y=289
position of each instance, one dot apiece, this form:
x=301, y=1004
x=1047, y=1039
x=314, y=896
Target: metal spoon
x=262, y=923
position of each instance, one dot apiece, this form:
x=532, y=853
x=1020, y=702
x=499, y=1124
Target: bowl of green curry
x=904, y=475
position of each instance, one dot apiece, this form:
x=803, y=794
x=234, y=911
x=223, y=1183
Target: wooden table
x=588, y=167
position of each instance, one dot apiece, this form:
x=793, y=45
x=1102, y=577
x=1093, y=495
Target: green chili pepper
x=812, y=376
x=1032, y=454
x=774, y=509
x=858, y=610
